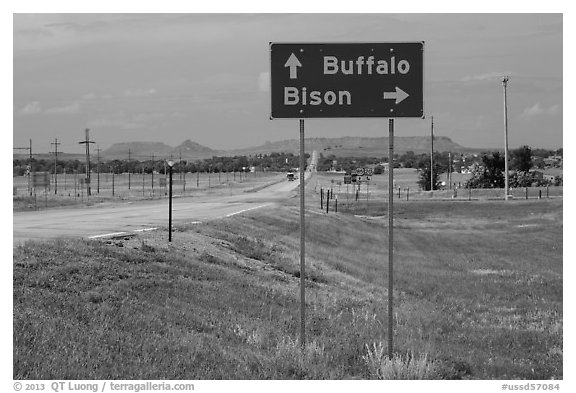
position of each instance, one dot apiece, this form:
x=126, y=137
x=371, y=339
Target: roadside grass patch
x=209, y=306
x=400, y=366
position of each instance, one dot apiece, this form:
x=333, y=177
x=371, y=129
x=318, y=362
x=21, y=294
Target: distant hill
x=340, y=147
x=144, y=150
x=357, y=146
x=345, y=146
x=137, y=150
x=194, y=150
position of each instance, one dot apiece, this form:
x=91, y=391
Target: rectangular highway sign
x=325, y=80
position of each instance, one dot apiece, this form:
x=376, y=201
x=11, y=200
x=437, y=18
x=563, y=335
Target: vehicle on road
x=290, y=176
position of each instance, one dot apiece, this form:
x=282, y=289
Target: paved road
x=129, y=217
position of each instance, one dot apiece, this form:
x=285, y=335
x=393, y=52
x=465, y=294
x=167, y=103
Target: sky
x=205, y=77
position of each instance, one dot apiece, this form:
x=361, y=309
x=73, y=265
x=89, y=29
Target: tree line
x=273, y=162
x=487, y=168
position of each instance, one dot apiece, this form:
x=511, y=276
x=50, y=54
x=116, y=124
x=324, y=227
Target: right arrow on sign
x=399, y=95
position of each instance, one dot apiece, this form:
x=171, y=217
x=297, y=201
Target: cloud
x=32, y=108
x=93, y=96
x=538, y=110
x=113, y=123
x=35, y=108
x=139, y=92
x=264, y=82
x=65, y=110
x=127, y=121
x=486, y=77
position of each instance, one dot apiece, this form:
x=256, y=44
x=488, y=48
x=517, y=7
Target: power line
x=129, y=170
x=98, y=169
x=505, y=85
x=30, y=166
x=55, y=143
x=432, y=155
x=87, y=143
x=153, y=158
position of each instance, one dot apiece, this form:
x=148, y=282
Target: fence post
x=526, y=188
x=407, y=193
x=547, y=195
x=321, y=198
x=398, y=192
x=539, y=194
x=470, y=193
x=336, y=204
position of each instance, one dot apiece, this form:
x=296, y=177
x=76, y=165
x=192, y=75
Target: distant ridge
x=357, y=146
x=144, y=150
x=345, y=146
x=137, y=150
x=340, y=147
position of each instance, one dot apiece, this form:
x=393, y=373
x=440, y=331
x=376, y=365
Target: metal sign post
x=302, y=242
x=390, y=232
x=344, y=80
x=347, y=184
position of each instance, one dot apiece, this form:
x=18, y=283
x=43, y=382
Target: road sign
x=347, y=80
x=360, y=171
x=368, y=171
x=41, y=179
x=347, y=179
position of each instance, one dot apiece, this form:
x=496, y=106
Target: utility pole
x=55, y=143
x=505, y=85
x=432, y=155
x=153, y=175
x=180, y=166
x=87, y=142
x=449, y=170
x=129, y=168
x=29, y=169
x=98, y=169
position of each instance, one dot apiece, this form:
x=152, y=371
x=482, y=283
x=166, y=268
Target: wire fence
x=71, y=188
x=365, y=192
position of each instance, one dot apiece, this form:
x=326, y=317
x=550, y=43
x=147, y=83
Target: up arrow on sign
x=399, y=95
x=293, y=62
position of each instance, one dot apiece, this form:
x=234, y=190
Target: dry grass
x=474, y=299
x=139, y=188
x=406, y=183
x=406, y=366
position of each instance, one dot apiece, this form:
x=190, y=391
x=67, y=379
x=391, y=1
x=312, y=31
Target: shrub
x=400, y=366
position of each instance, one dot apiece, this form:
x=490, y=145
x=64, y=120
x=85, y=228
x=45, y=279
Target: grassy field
x=138, y=187
x=478, y=295
x=406, y=186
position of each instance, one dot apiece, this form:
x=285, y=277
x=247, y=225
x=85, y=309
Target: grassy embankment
x=479, y=295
